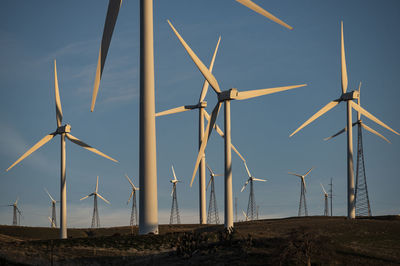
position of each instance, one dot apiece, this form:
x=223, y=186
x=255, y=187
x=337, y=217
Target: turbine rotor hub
x=352, y=95
x=63, y=129
x=227, y=95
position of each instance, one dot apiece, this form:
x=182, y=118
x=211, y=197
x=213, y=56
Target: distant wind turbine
x=95, y=194
x=346, y=97
x=223, y=97
x=63, y=131
x=212, y=216
x=302, y=203
x=326, y=195
x=134, y=215
x=16, y=211
x=53, y=210
x=175, y=217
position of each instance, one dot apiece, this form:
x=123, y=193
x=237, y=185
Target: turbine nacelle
x=348, y=96
x=63, y=129
x=231, y=94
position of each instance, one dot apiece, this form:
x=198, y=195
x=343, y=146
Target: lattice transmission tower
x=134, y=212
x=361, y=199
x=302, y=204
x=95, y=218
x=212, y=215
x=174, y=217
x=251, y=213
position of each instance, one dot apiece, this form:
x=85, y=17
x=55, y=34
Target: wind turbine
x=362, y=205
x=251, y=205
x=346, y=97
x=134, y=215
x=174, y=208
x=148, y=207
x=245, y=216
x=303, y=203
x=63, y=131
x=212, y=216
x=326, y=208
x=95, y=194
x=223, y=97
x=53, y=210
x=52, y=222
x=15, y=211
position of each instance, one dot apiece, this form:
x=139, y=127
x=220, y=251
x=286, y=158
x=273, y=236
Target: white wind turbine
x=174, y=207
x=302, y=203
x=53, y=210
x=346, y=97
x=223, y=97
x=148, y=206
x=134, y=215
x=63, y=131
x=245, y=216
x=95, y=194
x=212, y=216
x=16, y=211
x=52, y=222
x=326, y=195
x=251, y=205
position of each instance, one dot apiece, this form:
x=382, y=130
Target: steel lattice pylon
x=174, y=208
x=212, y=216
x=361, y=199
x=251, y=205
x=15, y=217
x=134, y=214
x=53, y=215
x=303, y=203
x=95, y=218
x=326, y=209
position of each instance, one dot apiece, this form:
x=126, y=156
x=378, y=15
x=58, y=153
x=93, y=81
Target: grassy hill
x=291, y=241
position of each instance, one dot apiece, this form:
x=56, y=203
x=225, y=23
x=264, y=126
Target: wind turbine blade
x=290, y=173
x=89, y=148
x=16, y=201
x=130, y=197
x=173, y=188
x=221, y=133
x=204, y=141
x=209, y=169
x=205, y=84
x=97, y=184
x=59, y=114
x=374, y=132
x=263, y=12
x=359, y=94
x=337, y=134
x=309, y=171
x=343, y=61
x=111, y=19
x=129, y=181
x=304, y=184
x=209, y=182
x=247, y=169
x=323, y=188
x=176, y=110
x=258, y=179
x=323, y=110
x=39, y=144
x=242, y=95
x=49, y=194
x=173, y=171
x=203, y=69
x=370, y=116
x=85, y=197
x=245, y=216
x=103, y=198
x=244, y=186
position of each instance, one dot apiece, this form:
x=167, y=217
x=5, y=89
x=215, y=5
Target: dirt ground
x=290, y=241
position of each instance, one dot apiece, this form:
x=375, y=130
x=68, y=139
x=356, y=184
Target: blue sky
x=254, y=53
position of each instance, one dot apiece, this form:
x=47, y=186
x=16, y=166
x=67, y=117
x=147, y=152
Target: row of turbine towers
x=148, y=206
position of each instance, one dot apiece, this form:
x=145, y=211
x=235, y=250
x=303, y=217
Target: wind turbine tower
x=326, y=195
x=95, y=194
x=134, y=212
x=302, y=203
x=251, y=205
x=212, y=216
x=16, y=211
x=175, y=217
x=53, y=222
x=331, y=195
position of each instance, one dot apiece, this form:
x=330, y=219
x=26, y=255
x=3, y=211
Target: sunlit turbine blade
x=130, y=197
x=263, y=12
x=247, y=169
x=242, y=95
x=323, y=188
x=209, y=169
x=16, y=201
x=244, y=186
x=370, y=116
x=304, y=184
x=97, y=184
x=343, y=61
x=340, y=132
x=323, y=110
x=49, y=194
x=290, y=173
x=39, y=144
x=209, y=182
x=203, y=69
x=173, y=171
x=245, y=216
x=129, y=180
x=308, y=171
x=359, y=94
x=173, y=188
x=374, y=132
x=204, y=141
x=258, y=179
x=111, y=19
x=89, y=148
x=85, y=197
x=205, y=84
x=59, y=114
x=102, y=198
x=176, y=110
x=221, y=133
